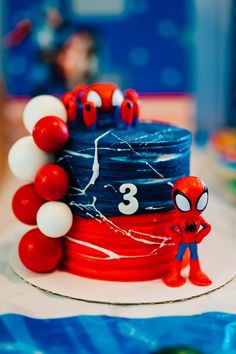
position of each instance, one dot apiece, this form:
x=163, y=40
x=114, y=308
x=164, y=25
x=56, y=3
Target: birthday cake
x=99, y=185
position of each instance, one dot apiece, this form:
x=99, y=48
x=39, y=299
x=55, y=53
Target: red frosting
x=121, y=248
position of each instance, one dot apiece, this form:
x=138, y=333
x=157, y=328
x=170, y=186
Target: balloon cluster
x=38, y=201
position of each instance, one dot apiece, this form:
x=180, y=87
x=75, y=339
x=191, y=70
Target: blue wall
x=148, y=45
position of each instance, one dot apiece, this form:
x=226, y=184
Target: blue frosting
x=151, y=157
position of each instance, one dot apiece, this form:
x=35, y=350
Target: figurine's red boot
x=196, y=275
x=174, y=277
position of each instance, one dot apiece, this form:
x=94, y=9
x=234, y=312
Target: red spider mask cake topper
x=190, y=197
x=93, y=100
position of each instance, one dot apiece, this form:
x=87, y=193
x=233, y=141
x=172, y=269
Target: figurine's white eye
x=202, y=201
x=182, y=202
x=94, y=97
x=117, y=98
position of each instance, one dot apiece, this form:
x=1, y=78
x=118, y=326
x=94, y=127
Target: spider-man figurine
x=190, y=197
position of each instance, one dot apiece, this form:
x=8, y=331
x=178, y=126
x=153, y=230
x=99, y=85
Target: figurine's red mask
x=104, y=96
x=190, y=196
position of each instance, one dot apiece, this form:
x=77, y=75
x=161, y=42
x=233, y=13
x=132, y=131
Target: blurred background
x=179, y=55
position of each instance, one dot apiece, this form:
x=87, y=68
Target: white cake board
x=218, y=261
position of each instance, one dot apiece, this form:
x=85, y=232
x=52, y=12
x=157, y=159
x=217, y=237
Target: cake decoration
x=51, y=182
x=102, y=105
x=190, y=197
x=26, y=203
x=41, y=106
x=39, y=253
x=25, y=159
x=104, y=187
x=50, y=133
x=54, y=219
x=129, y=191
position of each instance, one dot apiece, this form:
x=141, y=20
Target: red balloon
x=38, y=252
x=52, y=182
x=50, y=133
x=26, y=203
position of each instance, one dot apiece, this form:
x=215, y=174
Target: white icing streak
x=111, y=186
x=167, y=157
x=153, y=208
x=155, y=240
x=147, y=163
x=95, y=167
x=77, y=153
x=110, y=254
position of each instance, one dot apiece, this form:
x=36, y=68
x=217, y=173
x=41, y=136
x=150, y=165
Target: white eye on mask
x=182, y=202
x=202, y=201
x=94, y=97
x=117, y=98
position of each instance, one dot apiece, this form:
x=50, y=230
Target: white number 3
x=132, y=206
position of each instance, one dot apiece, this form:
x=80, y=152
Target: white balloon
x=41, y=106
x=54, y=219
x=25, y=159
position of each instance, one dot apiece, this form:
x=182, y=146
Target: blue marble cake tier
x=116, y=172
